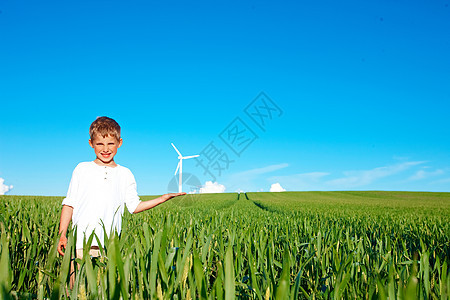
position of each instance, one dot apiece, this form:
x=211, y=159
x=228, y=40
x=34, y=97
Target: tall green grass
x=317, y=245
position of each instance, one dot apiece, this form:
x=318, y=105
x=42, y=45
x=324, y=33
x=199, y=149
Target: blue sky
x=357, y=93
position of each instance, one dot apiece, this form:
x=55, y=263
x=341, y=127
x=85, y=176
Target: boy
x=99, y=190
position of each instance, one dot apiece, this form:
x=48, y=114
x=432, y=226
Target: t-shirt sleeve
x=131, y=196
x=72, y=193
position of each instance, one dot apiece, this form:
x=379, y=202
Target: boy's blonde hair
x=104, y=127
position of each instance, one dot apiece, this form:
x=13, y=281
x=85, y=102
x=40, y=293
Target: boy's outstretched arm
x=66, y=216
x=145, y=205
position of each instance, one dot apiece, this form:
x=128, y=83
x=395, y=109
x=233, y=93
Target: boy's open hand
x=62, y=244
x=166, y=197
x=144, y=205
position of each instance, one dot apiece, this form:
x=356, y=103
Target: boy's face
x=105, y=149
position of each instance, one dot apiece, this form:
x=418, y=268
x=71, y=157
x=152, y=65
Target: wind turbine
x=180, y=166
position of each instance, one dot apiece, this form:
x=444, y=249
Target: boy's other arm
x=66, y=216
x=145, y=205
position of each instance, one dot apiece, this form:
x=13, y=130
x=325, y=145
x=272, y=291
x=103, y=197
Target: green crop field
x=290, y=245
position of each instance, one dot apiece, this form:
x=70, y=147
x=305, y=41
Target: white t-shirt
x=98, y=194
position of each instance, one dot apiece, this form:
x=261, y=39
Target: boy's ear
x=90, y=143
x=120, y=142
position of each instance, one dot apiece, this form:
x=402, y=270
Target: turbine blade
x=178, y=166
x=176, y=149
x=192, y=156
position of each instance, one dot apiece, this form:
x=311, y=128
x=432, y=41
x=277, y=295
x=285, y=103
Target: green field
x=290, y=245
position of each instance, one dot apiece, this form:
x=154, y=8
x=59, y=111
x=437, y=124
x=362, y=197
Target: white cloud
x=3, y=187
x=259, y=171
x=247, y=180
x=364, y=177
x=315, y=181
x=212, y=187
x=276, y=187
x=421, y=174
x=301, y=182
x=401, y=158
x=444, y=180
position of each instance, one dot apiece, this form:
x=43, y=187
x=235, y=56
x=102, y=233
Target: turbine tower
x=180, y=166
